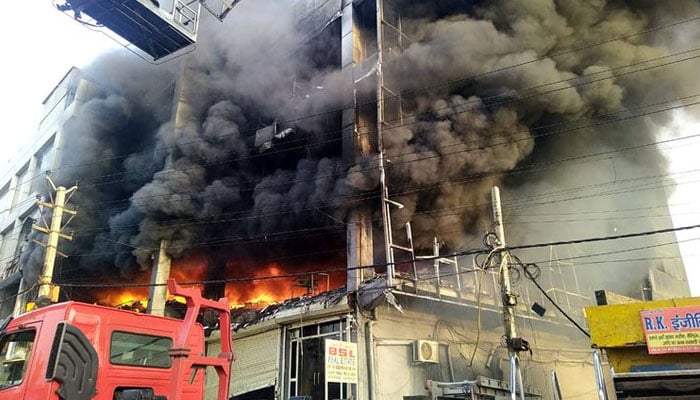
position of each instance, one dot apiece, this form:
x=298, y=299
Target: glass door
x=305, y=362
x=312, y=368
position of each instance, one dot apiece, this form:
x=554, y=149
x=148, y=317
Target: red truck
x=77, y=351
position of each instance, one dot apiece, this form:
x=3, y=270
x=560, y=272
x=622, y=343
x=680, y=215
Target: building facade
x=422, y=319
x=24, y=182
x=452, y=305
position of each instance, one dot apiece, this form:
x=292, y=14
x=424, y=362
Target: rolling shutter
x=257, y=362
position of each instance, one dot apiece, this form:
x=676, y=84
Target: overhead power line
x=605, y=238
x=588, y=46
x=384, y=265
x=479, y=176
x=463, y=108
x=582, y=78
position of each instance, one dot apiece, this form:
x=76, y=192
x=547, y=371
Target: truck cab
x=77, y=351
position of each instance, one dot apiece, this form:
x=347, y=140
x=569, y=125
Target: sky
x=36, y=62
x=37, y=59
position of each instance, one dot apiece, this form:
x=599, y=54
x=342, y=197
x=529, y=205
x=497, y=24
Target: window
x=127, y=348
x=5, y=258
x=15, y=349
x=22, y=188
x=43, y=160
x=5, y=198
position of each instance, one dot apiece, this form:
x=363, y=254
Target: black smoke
x=168, y=152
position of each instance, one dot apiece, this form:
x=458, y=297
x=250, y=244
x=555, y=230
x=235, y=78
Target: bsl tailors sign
x=672, y=330
x=341, y=361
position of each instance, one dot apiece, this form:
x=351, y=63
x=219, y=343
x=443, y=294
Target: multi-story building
x=437, y=303
x=23, y=182
x=414, y=308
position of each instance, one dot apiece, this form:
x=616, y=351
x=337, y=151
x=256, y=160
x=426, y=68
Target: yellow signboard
x=341, y=361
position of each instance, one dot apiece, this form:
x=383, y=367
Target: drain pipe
x=369, y=343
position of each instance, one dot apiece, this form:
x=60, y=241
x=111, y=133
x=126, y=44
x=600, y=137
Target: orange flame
x=260, y=291
x=255, y=288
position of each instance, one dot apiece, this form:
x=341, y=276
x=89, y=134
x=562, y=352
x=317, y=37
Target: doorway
x=305, y=362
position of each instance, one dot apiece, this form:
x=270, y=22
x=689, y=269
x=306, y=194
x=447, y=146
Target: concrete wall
x=469, y=346
x=457, y=329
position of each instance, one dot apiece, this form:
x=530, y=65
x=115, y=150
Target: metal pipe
x=409, y=234
x=436, y=266
x=458, y=275
x=369, y=343
x=450, y=366
x=20, y=303
x=387, y=222
x=511, y=380
x=556, y=390
x=599, y=379
x=386, y=216
x=282, y=384
x=520, y=380
x=516, y=378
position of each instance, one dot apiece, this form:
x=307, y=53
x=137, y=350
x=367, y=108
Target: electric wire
x=424, y=258
x=462, y=109
x=531, y=167
x=670, y=24
x=611, y=39
x=241, y=216
x=537, y=167
x=132, y=199
x=528, y=270
x=543, y=85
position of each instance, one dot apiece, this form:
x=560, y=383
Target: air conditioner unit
x=425, y=351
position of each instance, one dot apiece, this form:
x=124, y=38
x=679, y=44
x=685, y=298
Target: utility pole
x=515, y=344
x=54, y=232
x=509, y=299
x=158, y=292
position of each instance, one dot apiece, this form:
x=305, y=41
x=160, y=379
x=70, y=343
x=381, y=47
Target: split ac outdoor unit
x=425, y=351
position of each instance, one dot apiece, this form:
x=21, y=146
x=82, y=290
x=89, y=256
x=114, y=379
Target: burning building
x=354, y=145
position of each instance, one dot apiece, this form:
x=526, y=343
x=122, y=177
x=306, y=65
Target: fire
x=190, y=268
x=270, y=284
x=127, y=297
x=124, y=296
x=254, y=287
x=260, y=291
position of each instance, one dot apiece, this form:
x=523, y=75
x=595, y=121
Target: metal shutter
x=257, y=362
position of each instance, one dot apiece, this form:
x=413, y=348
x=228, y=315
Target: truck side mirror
x=73, y=363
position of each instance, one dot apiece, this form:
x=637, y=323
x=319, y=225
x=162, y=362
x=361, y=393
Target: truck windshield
x=14, y=352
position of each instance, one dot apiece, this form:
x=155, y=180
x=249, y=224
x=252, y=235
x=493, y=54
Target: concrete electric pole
x=59, y=196
x=509, y=299
x=158, y=291
x=513, y=341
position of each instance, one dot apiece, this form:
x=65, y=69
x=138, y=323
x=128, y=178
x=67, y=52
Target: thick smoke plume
x=479, y=121
x=486, y=88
